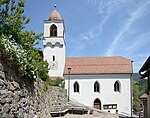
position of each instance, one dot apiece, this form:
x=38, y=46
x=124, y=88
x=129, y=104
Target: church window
x=117, y=86
x=76, y=87
x=53, y=31
x=53, y=58
x=96, y=87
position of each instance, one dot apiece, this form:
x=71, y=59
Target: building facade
x=145, y=73
x=100, y=82
x=54, y=43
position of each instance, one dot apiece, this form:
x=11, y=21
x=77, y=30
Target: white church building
x=100, y=82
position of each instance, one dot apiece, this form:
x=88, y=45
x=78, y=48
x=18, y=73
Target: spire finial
x=55, y=6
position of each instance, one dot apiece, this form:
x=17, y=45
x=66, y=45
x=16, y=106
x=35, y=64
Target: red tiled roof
x=98, y=65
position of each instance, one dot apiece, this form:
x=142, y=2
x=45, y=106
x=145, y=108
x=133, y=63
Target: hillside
x=136, y=77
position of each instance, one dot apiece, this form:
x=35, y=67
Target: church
x=100, y=82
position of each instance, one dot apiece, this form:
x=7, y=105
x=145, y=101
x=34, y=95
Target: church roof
x=98, y=65
x=55, y=15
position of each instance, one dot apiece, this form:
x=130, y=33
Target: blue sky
x=98, y=27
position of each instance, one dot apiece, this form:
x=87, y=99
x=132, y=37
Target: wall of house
x=107, y=95
x=24, y=98
x=148, y=105
x=54, y=46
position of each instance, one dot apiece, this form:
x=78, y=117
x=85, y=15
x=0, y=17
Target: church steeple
x=54, y=43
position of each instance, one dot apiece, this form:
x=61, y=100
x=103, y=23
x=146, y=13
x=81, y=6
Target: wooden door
x=97, y=104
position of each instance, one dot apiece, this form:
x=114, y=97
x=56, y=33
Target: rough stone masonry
x=24, y=98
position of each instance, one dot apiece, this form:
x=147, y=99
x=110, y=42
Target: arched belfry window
x=53, y=31
x=96, y=87
x=76, y=87
x=117, y=86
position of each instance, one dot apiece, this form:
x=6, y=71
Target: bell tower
x=54, y=43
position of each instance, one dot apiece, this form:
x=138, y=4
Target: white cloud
x=139, y=61
x=140, y=42
x=74, y=46
x=76, y=49
x=106, y=8
x=134, y=16
x=134, y=50
x=102, y=6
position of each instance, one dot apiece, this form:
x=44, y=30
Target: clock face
x=53, y=65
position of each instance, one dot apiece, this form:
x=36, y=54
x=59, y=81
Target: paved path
x=89, y=116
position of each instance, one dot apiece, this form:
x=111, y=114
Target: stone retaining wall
x=24, y=98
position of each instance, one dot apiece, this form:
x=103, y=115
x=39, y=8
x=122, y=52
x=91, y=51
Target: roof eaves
x=93, y=73
x=145, y=65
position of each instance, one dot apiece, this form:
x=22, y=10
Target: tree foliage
x=139, y=88
x=142, y=86
x=136, y=95
x=12, y=31
x=55, y=82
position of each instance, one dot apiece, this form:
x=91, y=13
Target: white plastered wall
x=107, y=95
x=54, y=46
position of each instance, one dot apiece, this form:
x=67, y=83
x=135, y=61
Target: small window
x=117, y=86
x=53, y=31
x=53, y=58
x=76, y=87
x=110, y=106
x=96, y=87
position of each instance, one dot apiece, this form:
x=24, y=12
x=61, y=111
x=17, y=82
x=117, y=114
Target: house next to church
x=100, y=82
x=145, y=73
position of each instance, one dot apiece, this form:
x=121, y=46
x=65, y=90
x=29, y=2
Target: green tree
x=55, y=82
x=142, y=86
x=13, y=33
x=136, y=95
x=139, y=88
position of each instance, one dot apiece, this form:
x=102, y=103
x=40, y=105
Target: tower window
x=53, y=58
x=117, y=86
x=76, y=87
x=96, y=87
x=53, y=31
